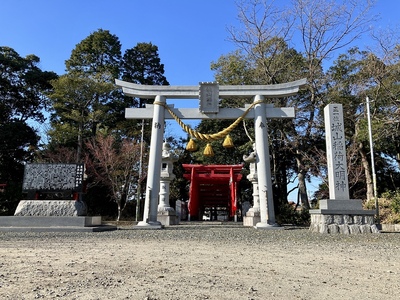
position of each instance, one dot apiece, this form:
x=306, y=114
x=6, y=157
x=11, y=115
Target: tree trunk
x=80, y=142
x=119, y=212
x=302, y=195
x=279, y=168
x=121, y=203
x=303, y=191
x=367, y=171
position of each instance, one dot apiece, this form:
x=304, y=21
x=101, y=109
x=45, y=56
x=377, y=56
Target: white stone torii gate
x=209, y=93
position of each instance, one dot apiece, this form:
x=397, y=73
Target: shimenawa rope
x=203, y=136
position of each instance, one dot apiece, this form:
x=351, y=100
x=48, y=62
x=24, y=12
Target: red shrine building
x=213, y=189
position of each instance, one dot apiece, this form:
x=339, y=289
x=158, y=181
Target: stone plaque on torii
x=208, y=95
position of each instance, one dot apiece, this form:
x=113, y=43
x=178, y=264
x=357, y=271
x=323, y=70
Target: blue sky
x=190, y=34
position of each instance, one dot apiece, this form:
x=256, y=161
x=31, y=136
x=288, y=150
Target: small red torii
x=212, y=186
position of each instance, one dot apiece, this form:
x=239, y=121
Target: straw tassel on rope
x=208, y=151
x=228, y=143
x=191, y=146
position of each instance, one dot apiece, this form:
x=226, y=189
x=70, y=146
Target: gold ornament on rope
x=228, y=143
x=208, y=151
x=191, y=146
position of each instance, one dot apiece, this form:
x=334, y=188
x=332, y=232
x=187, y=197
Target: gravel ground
x=199, y=262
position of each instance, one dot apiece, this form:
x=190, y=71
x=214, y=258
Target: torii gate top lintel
x=192, y=91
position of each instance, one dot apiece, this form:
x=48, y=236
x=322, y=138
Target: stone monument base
x=251, y=219
x=51, y=208
x=167, y=217
x=52, y=216
x=52, y=224
x=342, y=216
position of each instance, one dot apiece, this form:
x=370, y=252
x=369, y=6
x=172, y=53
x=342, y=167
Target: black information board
x=53, y=177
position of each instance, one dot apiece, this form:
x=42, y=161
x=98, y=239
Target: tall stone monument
x=339, y=213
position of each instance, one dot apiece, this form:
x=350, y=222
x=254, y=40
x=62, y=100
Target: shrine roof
x=212, y=173
x=213, y=167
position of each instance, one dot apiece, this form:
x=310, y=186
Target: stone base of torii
x=208, y=95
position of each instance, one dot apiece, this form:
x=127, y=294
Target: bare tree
x=380, y=72
x=115, y=165
x=262, y=22
x=322, y=27
x=58, y=155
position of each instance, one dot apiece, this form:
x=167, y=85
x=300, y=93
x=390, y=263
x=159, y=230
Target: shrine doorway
x=213, y=190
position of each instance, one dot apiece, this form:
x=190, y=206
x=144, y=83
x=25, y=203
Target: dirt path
x=199, y=262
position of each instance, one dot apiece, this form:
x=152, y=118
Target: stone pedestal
x=342, y=216
x=148, y=225
x=340, y=205
x=51, y=208
x=167, y=218
x=53, y=224
x=251, y=218
x=52, y=216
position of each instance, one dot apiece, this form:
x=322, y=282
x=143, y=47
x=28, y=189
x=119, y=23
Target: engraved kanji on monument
x=336, y=152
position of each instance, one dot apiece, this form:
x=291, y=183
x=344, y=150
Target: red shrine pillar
x=193, y=205
x=232, y=186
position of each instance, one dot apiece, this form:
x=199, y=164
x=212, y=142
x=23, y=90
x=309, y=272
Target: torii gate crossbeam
x=192, y=91
x=158, y=113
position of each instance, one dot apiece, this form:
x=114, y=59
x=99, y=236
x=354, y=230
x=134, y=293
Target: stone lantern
x=253, y=214
x=166, y=214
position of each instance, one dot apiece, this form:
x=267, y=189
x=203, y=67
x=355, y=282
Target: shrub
x=395, y=204
x=288, y=214
x=389, y=207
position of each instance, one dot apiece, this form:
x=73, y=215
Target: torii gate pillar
x=154, y=168
x=263, y=166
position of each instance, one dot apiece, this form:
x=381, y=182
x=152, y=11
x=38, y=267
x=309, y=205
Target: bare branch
x=261, y=21
x=326, y=26
x=115, y=165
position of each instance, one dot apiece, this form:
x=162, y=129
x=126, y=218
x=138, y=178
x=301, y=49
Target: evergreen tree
x=77, y=111
x=83, y=98
x=97, y=56
x=23, y=86
x=141, y=65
